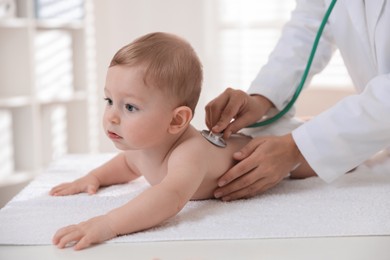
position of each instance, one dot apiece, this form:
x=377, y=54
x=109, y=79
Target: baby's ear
x=181, y=118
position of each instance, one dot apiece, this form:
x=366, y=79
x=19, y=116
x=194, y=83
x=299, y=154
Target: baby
x=152, y=88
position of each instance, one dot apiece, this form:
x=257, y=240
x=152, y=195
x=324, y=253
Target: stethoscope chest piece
x=215, y=139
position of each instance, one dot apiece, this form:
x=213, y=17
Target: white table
x=331, y=248
x=321, y=248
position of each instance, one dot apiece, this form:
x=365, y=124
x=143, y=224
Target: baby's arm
x=186, y=171
x=115, y=171
x=164, y=200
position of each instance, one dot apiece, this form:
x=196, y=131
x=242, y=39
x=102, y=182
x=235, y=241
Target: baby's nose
x=112, y=116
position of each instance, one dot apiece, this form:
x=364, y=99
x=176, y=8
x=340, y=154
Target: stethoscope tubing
x=304, y=75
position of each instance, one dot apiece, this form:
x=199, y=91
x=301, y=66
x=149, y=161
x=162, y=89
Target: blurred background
x=55, y=53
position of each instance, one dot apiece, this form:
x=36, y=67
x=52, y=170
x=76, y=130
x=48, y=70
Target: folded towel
x=356, y=204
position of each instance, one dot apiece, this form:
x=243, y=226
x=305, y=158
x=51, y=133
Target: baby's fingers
x=65, y=189
x=67, y=236
x=91, y=189
x=83, y=243
x=58, y=189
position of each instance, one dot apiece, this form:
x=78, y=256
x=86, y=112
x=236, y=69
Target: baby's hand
x=89, y=184
x=83, y=235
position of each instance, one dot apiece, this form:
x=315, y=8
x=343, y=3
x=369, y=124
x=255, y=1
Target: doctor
x=338, y=139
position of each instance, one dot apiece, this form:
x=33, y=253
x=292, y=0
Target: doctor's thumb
x=244, y=152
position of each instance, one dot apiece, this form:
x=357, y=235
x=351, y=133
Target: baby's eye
x=131, y=108
x=109, y=101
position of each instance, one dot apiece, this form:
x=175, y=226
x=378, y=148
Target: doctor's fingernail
x=238, y=154
x=215, y=128
x=221, y=183
x=228, y=134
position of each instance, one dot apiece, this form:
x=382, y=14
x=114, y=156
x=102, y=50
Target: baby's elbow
x=180, y=204
x=172, y=198
x=178, y=201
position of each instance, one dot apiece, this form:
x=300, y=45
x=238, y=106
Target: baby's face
x=136, y=116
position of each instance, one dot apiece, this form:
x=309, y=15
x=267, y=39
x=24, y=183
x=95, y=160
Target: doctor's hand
x=263, y=163
x=234, y=110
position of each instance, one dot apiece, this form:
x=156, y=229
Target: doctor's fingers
x=219, y=117
x=225, y=108
x=246, y=164
x=241, y=120
x=214, y=109
x=252, y=183
x=240, y=177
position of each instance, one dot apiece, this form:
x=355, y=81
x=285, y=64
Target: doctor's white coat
x=358, y=126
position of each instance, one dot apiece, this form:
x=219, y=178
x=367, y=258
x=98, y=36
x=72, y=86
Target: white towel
x=357, y=204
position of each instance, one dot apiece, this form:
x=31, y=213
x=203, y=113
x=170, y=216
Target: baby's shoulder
x=192, y=144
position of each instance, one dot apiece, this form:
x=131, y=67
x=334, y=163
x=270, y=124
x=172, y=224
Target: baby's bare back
x=220, y=160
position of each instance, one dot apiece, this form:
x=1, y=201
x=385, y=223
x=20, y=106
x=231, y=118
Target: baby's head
x=170, y=63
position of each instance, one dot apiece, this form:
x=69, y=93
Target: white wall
x=313, y=101
x=118, y=22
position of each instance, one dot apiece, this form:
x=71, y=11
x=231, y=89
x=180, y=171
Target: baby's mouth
x=113, y=135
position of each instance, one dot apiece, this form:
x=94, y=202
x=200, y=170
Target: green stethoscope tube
x=304, y=75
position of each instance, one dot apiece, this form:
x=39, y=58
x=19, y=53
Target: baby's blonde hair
x=171, y=64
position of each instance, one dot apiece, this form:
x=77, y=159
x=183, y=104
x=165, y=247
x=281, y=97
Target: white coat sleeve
x=349, y=133
x=279, y=78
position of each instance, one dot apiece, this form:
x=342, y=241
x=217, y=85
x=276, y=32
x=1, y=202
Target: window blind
x=247, y=32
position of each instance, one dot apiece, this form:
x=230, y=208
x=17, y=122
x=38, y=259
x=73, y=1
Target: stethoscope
x=217, y=139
